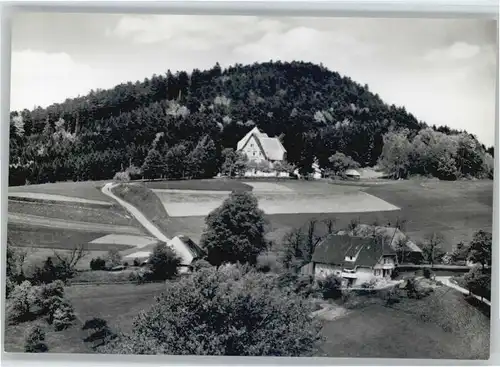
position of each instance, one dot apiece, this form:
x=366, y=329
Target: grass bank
x=151, y=206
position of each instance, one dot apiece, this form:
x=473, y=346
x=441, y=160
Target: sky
x=441, y=70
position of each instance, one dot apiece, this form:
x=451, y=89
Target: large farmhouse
x=394, y=237
x=259, y=147
x=356, y=260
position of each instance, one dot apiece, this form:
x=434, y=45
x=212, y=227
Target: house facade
x=356, y=260
x=260, y=148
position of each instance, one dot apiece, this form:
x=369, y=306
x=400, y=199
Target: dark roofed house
x=394, y=237
x=355, y=259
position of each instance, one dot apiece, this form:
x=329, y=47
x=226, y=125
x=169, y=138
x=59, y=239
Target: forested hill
x=315, y=111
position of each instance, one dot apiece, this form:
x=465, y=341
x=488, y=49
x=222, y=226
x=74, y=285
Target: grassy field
x=27, y=236
x=454, y=209
x=42, y=242
x=179, y=204
x=442, y=325
x=118, y=304
x=208, y=185
x=451, y=328
x=66, y=341
x=113, y=215
x=90, y=190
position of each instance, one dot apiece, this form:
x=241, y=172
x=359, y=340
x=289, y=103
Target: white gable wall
x=253, y=151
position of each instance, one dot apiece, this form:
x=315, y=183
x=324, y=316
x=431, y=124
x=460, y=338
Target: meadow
x=73, y=212
x=454, y=209
x=41, y=243
x=442, y=325
x=452, y=328
x=90, y=190
x=202, y=185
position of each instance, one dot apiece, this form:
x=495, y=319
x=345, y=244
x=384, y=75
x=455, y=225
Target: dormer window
x=350, y=258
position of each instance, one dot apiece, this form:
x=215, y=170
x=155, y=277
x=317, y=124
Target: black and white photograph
x=250, y=185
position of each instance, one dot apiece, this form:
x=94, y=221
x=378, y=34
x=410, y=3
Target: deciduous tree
x=235, y=230
x=164, y=262
x=431, y=248
x=229, y=311
x=480, y=248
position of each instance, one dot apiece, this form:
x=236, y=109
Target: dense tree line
x=168, y=122
x=436, y=154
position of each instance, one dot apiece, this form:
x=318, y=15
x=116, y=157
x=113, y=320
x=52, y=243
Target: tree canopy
x=232, y=311
x=235, y=231
x=316, y=111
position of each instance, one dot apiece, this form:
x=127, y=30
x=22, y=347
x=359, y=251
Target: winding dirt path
x=181, y=250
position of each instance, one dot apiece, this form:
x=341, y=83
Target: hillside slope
x=315, y=111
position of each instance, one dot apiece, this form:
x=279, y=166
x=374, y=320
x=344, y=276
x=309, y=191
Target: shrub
x=20, y=302
x=137, y=262
x=164, y=262
x=305, y=286
x=34, y=340
x=427, y=273
x=395, y=273
x=393, y=296
x=268, y=262
x=416, y=291
x=113, y=258
x=48, y=294
x=331, y=287
x=9, y=287
x=200, y=264
x=98, y=264
x=48, y=272
x=122, y=177
x=369, y=284
x=133, y=172
x=100, y=332
x=63, y=316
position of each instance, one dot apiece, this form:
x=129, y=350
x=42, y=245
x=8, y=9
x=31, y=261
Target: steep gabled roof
x=334, y=249
x=270, y=147
x=372, y=252
x=393, y=234
x=273, y=148
x=255, y=131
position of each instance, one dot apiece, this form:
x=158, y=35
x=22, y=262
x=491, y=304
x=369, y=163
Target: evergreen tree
x=153, y=166
x=203, y=159
x=176, y=161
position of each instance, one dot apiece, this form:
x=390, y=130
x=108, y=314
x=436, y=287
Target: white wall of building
x=385, y=266
x=362, y=274
x=253, y=151
x=324, y=270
